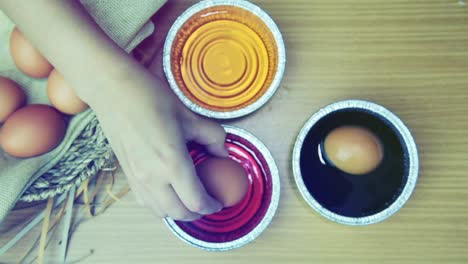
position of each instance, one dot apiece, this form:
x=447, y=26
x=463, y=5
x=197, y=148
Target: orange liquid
x=224, y=58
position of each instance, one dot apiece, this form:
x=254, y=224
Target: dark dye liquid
x=354, y=195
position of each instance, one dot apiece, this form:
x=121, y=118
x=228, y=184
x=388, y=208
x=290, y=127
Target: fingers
x=205, y=132
x=190, y=190
x=177, y=192
x=162, y=201
x=217, y=149
x=182, y=177
x=173, y=206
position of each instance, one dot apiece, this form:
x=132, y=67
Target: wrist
x=129, y=88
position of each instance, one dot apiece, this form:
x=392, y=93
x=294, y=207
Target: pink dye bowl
x=238, y=225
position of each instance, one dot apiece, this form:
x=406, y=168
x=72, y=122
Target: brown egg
x=224, y=179
x=62, y=95
x=33, y=130
x=27, y=58
x=12, y=97
x=354, y=150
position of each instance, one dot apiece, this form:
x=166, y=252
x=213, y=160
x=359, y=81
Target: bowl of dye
x=242, y=223
x=357, y=194
x=224, y=59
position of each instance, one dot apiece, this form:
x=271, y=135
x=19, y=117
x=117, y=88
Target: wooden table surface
x=411, y=57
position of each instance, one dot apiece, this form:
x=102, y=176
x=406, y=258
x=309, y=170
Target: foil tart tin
x=260, y=220
x=170, y=39
x=406, y=139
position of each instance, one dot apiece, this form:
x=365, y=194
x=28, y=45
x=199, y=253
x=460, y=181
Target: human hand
x=148, y=128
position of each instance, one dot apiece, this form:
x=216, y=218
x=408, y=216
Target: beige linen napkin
x=127, y=23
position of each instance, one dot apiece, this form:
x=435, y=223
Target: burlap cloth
x=85, y=150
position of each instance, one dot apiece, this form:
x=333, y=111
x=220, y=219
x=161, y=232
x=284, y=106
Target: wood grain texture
x=410, y=56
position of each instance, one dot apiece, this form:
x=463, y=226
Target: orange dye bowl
x=224, y=59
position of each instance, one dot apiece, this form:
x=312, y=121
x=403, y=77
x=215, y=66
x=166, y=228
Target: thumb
x=206, y=132
x=217, y=150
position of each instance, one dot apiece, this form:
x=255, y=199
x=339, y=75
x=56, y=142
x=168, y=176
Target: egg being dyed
x=33, y=130
x=224, y=179
x=354, y=150
x=27, y=58
x=62, y=96
x=12, y=97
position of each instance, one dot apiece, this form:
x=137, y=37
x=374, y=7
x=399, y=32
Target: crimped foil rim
x=408, y=141
x=279, y=71
x=258, y=230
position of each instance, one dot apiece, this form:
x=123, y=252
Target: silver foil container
x=267, y=218
x=399, y=128
x=237, y=3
